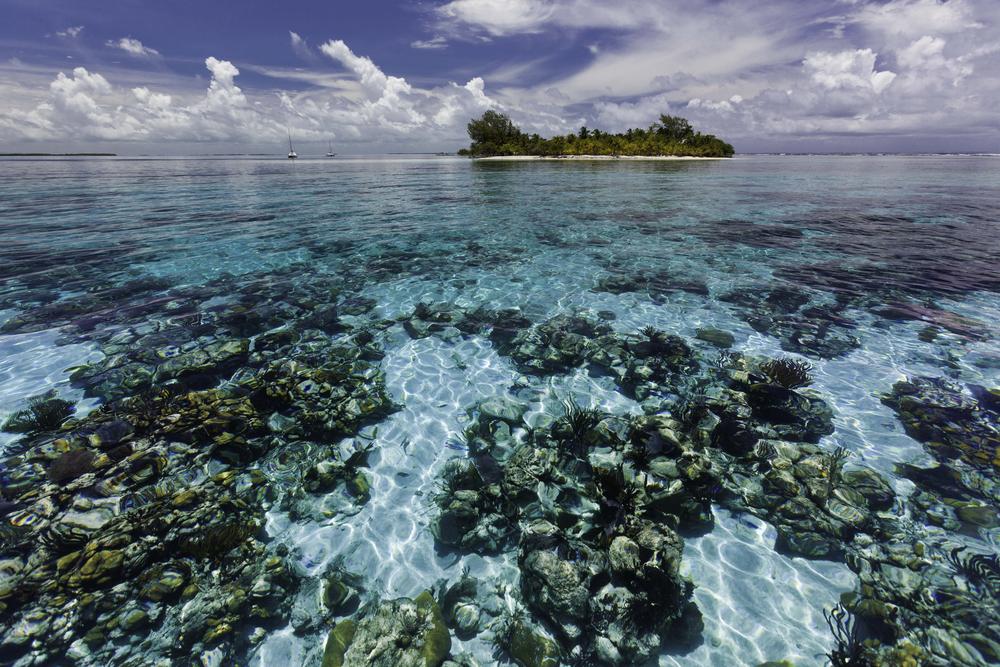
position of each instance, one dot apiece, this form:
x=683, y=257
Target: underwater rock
x=623, y=555
x=334, y=593
x=657, y=285
x=789, y=414
x=576, y=504
x=556, y=345
x=592, y=499
x=557, y=588
x=952, y=423
x=819, y=330
x=473, y=515
x=337, y=642
x=158, y=496
x=717, y=337
x=396, y=633
x=70, y=465
x=217, y=358
x=461, y=608
x=936, y=317
x=527, y=647
x=340, y=589
x=504, y=409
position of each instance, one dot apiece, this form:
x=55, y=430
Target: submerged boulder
x=954, y=422
x=395, y=633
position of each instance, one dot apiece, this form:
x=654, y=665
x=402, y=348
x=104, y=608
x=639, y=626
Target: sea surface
x=139, y=260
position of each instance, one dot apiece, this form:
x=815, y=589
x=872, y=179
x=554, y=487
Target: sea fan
x=787, y=373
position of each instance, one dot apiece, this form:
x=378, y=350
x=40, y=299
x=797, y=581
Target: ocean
x=277, y=395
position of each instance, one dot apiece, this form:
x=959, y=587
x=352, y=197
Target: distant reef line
x=495, y=135
x=58, y=155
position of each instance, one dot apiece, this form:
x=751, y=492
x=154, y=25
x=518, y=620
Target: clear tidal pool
x=247, y=402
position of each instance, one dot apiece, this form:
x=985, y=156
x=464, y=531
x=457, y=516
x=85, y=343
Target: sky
x=375, y=76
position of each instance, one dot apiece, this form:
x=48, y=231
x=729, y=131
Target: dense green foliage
x=495, y=134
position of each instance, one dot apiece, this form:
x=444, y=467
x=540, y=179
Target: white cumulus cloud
x=848, y=69
x=500, y=17
x=911, y=18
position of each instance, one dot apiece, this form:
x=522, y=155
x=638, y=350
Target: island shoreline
x=651, y=158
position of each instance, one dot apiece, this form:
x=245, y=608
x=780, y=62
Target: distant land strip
x=58, y=154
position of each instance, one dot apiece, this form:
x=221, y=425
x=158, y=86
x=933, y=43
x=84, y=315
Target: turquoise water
x=871, y=269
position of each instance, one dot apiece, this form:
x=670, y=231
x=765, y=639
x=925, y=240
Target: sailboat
x=291, y=151
x=329, y=152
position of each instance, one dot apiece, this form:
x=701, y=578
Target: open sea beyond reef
x=599, y=413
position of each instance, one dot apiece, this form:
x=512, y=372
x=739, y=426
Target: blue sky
x=375, y=76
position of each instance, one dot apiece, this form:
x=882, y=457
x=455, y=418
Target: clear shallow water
x=692, y=245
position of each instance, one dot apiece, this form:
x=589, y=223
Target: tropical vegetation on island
x=494, y=133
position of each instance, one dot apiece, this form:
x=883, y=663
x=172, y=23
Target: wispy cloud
x=71, y=32
x=436, y=42
x=133, y=47
x=301, y=47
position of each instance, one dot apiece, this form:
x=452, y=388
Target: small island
x=494, y=135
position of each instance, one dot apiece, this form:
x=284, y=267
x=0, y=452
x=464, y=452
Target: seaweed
x=658, y=341
x=44, y=413
x=639, y=456
x=511, y=618
x=618, y=500
x=577, y=423
x=977, y=568
x=835, y=463
x=457, y=475
x=848, y=650
x=358, y=458
x=787, y=373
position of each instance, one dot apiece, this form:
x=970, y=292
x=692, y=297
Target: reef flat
x=432, y=415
